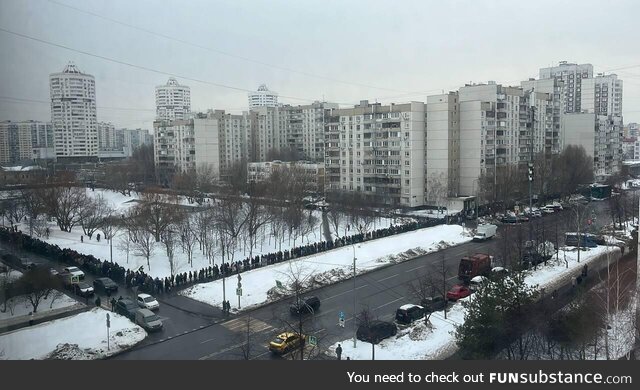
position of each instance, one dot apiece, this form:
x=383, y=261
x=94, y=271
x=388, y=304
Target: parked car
x=547, y=210
x=53, y=272
x=83, y=289
x=75, y=271
x=585, y=240
x=106, y=285
x=305, y=306
x=471, y=266
x=148, y=302
x=286, y=342
x=406, y=314
x=477, y=282
x=431, y=304
x=376, y=331
x=127, y=307
x=458, y=291
x=522, y=218
x=148, y=320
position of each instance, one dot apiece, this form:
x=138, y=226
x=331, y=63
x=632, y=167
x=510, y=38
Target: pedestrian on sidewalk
x=98, y=302
x=339, y=352
x=113, y=304
x=81, y=238
x=31, y=319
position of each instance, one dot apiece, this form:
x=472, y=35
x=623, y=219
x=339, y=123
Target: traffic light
x=530, y=172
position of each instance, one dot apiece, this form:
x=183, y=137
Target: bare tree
x=36, y=284
x=140, y=238
x=440, y=274
x=573, y=168
x=14, y=210
x=188, y=237
x=158, y=211
x=94, y=214
x=110, y=226
x=170, y=243
x=33, y=201
x=436, y=190
x=65, y=204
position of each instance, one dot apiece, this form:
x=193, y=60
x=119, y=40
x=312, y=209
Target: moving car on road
x=305, y=305
x=148, y=320
x=376, y=331
x=75, y=271
x=83, y=289
x=148, y=302
x=485, y=232
x=286, y=342
x=472, y=266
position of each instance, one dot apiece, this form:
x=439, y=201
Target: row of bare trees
x=554, y=175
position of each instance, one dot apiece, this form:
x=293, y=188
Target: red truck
x=472, y=266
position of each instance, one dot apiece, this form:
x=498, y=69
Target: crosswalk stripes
x=240, y=325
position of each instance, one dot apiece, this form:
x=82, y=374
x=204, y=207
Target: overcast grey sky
x=389, y=50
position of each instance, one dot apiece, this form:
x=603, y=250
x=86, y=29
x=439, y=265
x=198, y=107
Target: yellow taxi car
x=286, y=342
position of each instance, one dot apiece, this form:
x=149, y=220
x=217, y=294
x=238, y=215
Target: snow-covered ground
x=259, y=285
x=419, y=343
x=80, y=337
x=159, y=262
x=22, y=307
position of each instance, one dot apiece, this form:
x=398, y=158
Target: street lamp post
x=475, y=191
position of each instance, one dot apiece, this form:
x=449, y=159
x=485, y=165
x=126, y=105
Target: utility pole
x=530, y=199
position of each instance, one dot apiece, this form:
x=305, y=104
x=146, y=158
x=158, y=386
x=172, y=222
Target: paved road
x=381, y=291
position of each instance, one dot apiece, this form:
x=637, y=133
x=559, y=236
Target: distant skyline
x=338, y=51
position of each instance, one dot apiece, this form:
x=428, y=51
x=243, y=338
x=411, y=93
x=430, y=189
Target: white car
x=75, y=271
x=148, y=302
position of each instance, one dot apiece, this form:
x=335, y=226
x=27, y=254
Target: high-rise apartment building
x=500, y=126
x=378, y=151
x=572, y=76
x=262, y=98
x=602, y=95
x=442, y=147
x=15, y=143
x=173, y=101
x=107, y=139
x=73, y=113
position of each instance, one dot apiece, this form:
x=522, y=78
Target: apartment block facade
x=262, y=97
x=572, y=76
x=173, y=101
x=73, y=113
x=378, y=151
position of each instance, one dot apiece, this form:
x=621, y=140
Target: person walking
x=98, y=302
x=339, y=352
x=81, y=238
x=113, y=304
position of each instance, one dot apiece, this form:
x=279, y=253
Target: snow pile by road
x=22, y=306
x=438, y=342
x=82, y=336
x=259, y=285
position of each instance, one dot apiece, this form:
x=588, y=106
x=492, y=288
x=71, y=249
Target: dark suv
x=105, y=284
x=127, y=307
x=376, y=331
x=305, y=306
x=406, y=314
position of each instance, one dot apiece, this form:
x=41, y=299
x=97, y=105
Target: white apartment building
x=15, y=143
x=173, y=101
x=262, y=98
x=73, y=113
x=442, y=145
x=600, y=136
x=305, y=129
x=261, y=171
x=572, y=76
x=377, y=150
x=500, y=126
x=602, y=95
x=107, y=139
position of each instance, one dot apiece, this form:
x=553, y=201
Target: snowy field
x=80, y=337
x=159, y=262
x=259, y=285
x=419, y=343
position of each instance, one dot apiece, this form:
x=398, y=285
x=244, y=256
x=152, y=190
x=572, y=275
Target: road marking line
x=413, y=269
x=206, y=341
x=388, y=303
x=387, y=278
x=346, y=292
